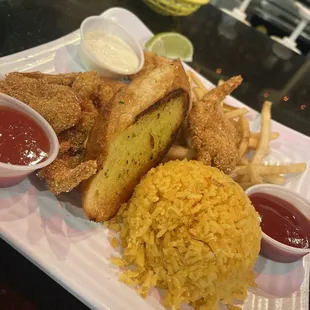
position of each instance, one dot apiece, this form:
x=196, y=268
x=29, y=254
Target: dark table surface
x=223, y=47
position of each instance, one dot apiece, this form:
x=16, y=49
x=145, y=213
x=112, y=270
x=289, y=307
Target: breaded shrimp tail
x=213, y=137
x=215, y=96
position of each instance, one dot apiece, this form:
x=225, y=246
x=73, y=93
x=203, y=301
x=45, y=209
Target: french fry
x=253, y=143
x=190, y=80
x=245, y=178
x=199, y=93
x=254, y=138
x=236, y=113
x=245, y=127
x=196, y=80
x=228, y=107
x=193, y=96
x=245, y=185
x=273, y=169
x=220, y=82
x=232, y=307
x=243, y=161
x=272, y=135
x=263, y=143
x=192, y=99
x=180, y=152
x=274, y=179
x=241, y=178
x=200, y=90
x=254, y=176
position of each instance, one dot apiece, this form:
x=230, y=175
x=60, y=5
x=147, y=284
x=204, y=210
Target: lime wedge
x=171, y=45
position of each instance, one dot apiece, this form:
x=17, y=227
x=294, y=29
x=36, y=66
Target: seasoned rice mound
x=192, y=231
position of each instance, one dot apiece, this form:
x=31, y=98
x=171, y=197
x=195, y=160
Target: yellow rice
x=192, y=231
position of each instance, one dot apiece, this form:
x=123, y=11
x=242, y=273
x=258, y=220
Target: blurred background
x=273, y=17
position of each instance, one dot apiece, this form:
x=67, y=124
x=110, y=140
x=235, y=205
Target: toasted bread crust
x=126, y=108
x=127, y=190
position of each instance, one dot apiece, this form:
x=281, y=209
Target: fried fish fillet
x=132, y=134
x=90, y=87
x=213, y=137
x=58, y=104
x=65, y=79
x=67, y=172
x=73, y=139
x=107, y=89
x=66, y=101
x=87, y=84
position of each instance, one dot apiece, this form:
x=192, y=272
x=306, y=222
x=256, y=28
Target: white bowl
x=270, y=247
x=106, y=26
x=13, y=174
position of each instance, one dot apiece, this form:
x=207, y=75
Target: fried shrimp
x=213, y=136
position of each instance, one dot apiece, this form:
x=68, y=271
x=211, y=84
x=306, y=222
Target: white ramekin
x=13, y=174
x=106, y=26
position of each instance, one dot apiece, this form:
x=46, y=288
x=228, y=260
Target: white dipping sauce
x=112, y=51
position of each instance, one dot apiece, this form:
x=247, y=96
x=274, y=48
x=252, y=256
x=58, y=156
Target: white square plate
x=56, y=236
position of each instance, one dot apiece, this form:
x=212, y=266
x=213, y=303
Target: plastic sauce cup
x=13, y=174
x=270, y=247
x=103, y=25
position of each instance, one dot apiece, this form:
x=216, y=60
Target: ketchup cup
x=13, y=174
x=270, y=247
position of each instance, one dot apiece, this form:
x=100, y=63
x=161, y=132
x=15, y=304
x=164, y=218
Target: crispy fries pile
x=253, y=147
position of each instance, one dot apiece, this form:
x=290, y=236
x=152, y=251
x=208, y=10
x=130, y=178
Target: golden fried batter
x=107, y=89
x=58, y=104
x=64, y=146
x=87, y=84
x=65, y=79
x=66, y=102
x=213, y=137
x=151, y=61
x=67, y=172
x=73, y=139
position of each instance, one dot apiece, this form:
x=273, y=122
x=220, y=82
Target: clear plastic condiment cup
x=270, y=247
x=101, y=25
x=13, y=174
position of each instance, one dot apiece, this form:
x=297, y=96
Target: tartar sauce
x=112, y=51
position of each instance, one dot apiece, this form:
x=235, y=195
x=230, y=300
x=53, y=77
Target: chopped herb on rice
x=191, y=230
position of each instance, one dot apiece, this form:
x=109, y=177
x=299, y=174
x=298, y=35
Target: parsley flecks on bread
x=132, y=134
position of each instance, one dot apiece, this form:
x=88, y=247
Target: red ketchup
x=282, y=221
x=22, y=140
